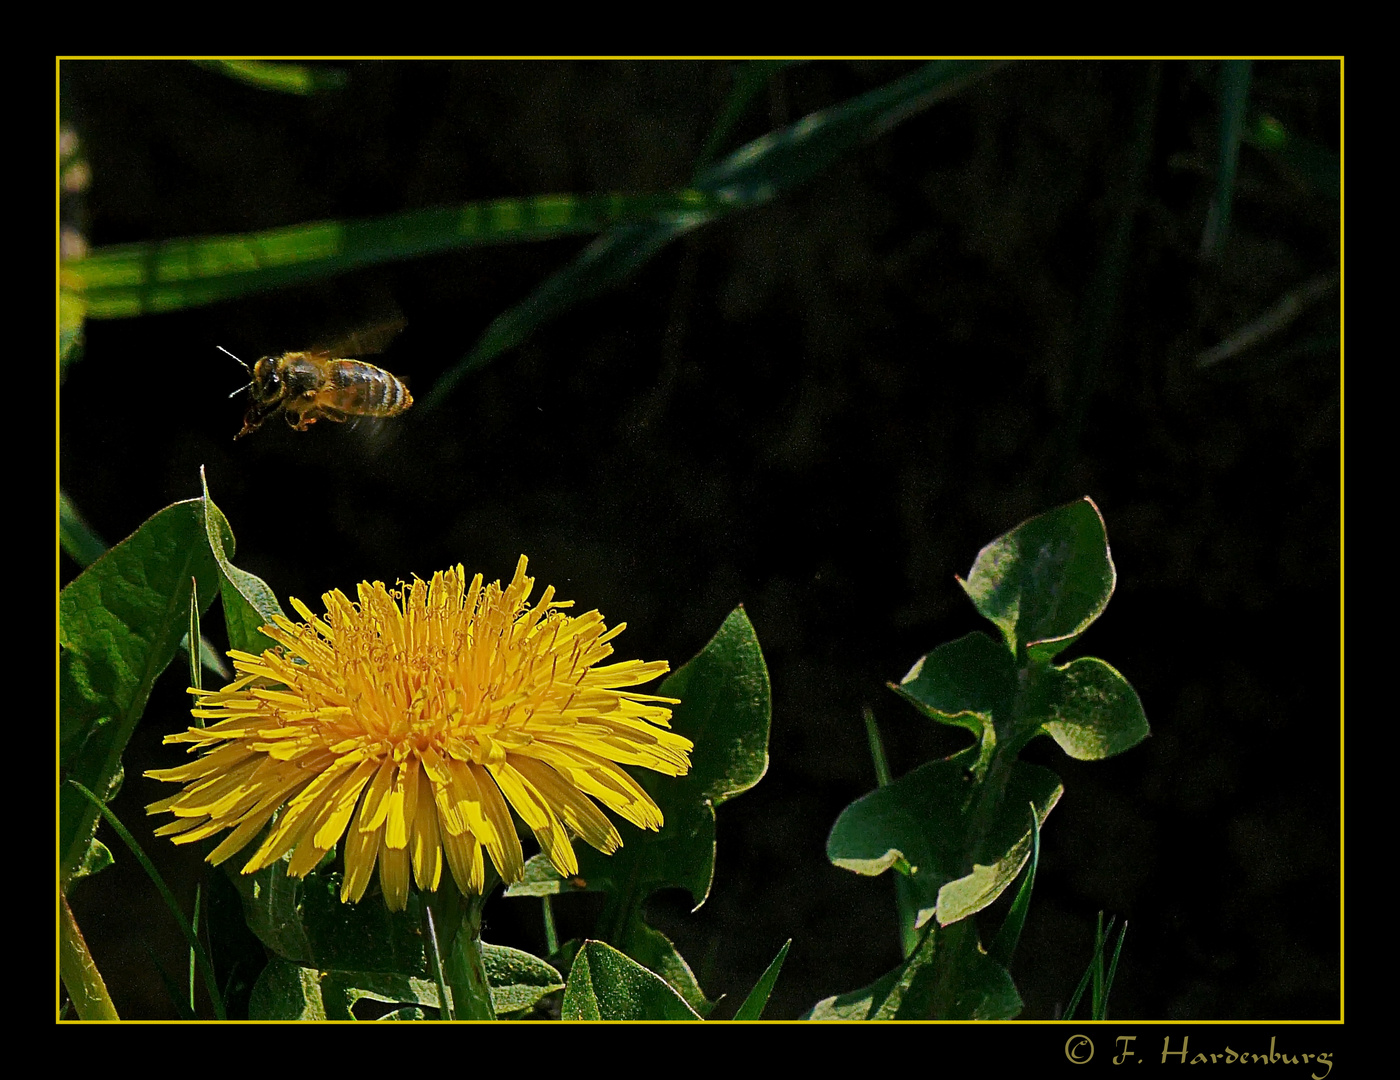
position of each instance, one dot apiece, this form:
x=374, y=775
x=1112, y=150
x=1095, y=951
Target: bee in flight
x=316, y=385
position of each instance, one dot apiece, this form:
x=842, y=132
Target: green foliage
x=957, y=831
x=959, y=828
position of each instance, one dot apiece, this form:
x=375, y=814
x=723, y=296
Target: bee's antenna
x=245, y=368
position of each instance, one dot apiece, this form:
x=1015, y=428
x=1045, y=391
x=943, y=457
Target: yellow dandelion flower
x=411, y=723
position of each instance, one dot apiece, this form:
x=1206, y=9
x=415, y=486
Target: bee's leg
x=253, y=419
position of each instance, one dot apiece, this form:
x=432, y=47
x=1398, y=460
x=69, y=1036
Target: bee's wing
x=366, y=341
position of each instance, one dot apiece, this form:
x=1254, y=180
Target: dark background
x=822, y=409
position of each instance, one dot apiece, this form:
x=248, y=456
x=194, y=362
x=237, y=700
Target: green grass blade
x=1004, y=946
x=752, y=1008
x=1078, y=992
x=1113, y=969
x=194, y=957
x=165, y=894
x=877, y=747
x=193, y=635
x=435, y=959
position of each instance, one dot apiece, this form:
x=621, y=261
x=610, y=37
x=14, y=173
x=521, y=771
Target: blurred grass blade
x=284, y=78
x=752, y=175
x=75, y=536
x=606, y=261
x=165, y=894
x=1234, y=104
x=749, y=81
x=136, y=279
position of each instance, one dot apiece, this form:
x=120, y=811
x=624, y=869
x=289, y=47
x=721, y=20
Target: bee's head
x=267, y=376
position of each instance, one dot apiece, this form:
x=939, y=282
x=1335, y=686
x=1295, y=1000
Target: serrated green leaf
x=120, y=624
x=1093, y=711
x=604, y=984
x=1046, y=580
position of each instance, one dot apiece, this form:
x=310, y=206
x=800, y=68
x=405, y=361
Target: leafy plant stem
x=465, y=970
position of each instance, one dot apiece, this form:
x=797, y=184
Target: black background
x=822, y=409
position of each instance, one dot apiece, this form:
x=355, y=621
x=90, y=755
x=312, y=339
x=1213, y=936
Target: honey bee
x=314, y=384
